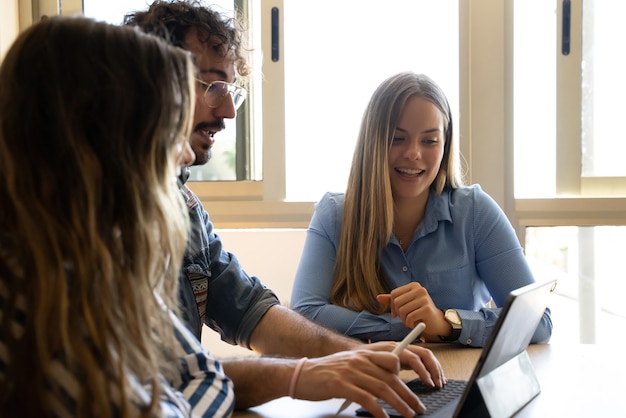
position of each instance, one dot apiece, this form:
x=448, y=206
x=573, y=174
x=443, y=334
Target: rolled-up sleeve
x=235, y=301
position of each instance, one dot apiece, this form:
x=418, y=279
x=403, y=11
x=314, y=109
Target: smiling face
x=208, y=121
x=417, y=149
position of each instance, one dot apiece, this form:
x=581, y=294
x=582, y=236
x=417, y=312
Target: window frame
x=579, y=201
x=485, y=131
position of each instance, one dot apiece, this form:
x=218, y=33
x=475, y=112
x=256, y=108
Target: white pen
x=411, y=336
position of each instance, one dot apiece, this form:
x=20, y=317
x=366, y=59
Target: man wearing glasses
x=215, y=290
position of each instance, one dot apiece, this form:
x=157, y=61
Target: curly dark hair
x=172, y=19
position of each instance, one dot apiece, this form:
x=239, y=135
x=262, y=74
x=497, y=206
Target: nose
x=226, y=109
x=413, y=150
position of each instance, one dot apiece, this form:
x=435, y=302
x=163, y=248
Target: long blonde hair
x=368, y=209
x=91, y=220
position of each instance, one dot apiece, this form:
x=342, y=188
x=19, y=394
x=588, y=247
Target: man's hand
x=362, y=376
x=419, y=359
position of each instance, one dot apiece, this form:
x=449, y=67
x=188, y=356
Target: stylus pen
x=411, y=336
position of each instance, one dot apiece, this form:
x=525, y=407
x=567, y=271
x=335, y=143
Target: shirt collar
x=437, y=209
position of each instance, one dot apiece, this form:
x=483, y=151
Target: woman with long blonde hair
x=94, y=121
x=408, y=242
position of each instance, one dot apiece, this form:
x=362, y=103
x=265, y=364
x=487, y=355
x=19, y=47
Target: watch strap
x=454, y=335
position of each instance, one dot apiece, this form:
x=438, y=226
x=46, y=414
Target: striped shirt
x=201, y=390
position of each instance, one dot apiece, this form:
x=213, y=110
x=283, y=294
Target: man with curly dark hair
x=215, y=290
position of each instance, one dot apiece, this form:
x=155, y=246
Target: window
x=335, y=54
x=226, y=164
x=587, y=262
x=539, y=130
x=573, y=115
x=569, y=180
x=534, y=96
x=296, y=129
x=602, y=82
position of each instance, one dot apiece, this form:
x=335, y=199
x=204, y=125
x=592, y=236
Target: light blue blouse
x=465, y=252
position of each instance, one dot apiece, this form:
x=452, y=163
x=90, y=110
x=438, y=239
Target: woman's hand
x=412, y=304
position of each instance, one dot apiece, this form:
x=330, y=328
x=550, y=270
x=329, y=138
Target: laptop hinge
x=503, y=391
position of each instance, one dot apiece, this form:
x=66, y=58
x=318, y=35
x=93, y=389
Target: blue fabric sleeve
x=235, y=301
x=314, y=277
x=501, y=265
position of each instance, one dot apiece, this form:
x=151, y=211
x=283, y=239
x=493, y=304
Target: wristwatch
x=453, y=319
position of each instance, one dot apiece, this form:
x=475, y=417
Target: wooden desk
x=577, y=380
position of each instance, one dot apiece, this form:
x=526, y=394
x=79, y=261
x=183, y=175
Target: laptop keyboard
x=433, y=399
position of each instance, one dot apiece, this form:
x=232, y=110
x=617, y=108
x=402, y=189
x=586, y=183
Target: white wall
x=8, y=25
x=270, y=254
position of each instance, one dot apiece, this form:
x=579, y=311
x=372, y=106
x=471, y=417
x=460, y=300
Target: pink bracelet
x=294, y=377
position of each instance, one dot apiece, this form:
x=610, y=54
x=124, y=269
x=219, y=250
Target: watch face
x=453, y=317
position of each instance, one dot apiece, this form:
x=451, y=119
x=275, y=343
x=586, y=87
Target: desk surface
x=577, y=380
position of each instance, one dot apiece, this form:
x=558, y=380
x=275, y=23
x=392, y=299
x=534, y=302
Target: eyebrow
x=219, y=73
x=428, y=131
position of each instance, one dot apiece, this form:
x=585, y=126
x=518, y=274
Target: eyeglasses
x=216, y=91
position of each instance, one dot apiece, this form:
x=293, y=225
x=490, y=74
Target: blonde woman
x=94, y=121
x=408, y=241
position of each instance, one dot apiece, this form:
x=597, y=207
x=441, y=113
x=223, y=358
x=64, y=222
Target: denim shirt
x=213, y=287
x=465, y=252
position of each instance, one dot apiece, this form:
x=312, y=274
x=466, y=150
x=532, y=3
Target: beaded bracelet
x=294, y=377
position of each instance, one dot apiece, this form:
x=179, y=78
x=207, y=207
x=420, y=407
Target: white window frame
x=580, y=201
x=485, y=129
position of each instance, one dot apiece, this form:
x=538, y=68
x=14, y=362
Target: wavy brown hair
x=367, y=223
x=91, y=222
x=172, y=20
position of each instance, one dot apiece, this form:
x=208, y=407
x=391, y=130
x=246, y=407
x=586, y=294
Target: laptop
x=503, y=381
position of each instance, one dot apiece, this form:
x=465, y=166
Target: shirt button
x=405, y=269
x=469, y=341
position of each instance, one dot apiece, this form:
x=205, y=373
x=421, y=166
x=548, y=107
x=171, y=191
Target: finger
x=402, y=399
x=411, y=312
x=407, y=288
x=365, y=376
x=416, y=364
x=368, y=402
x=391, y=389
x=424, y=362
x=387, y=346
x=386, y=299
x=414, y=318
x=419, y=359
x=420, y=295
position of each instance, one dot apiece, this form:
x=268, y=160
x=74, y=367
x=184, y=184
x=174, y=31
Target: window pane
x=603, y=86
x=112, y=11
x=588, y=262
x=336, y=54
x=222, y=165
x=534, y=98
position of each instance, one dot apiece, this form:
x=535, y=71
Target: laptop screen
x=523, y=311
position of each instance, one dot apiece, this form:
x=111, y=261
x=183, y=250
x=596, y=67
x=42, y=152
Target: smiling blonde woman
x=408, y=242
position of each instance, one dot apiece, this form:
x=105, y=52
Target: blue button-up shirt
x=465, y=252
x=214, y=289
